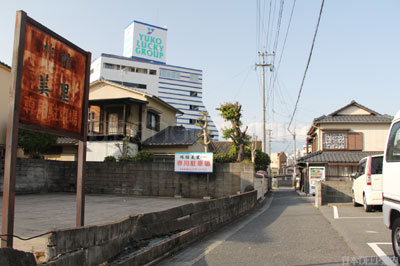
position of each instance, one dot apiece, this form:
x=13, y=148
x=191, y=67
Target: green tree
x=262, y=160
x=124, y=149
x=232, y=112
x=35, y=144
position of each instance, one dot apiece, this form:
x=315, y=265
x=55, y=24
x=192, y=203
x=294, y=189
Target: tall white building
x=144, y=67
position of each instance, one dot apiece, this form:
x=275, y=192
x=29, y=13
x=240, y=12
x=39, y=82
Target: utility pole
x=294, y=149
x=263, y=65
x=269, y=142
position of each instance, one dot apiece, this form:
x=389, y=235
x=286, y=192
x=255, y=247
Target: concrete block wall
x=318, y=196
x=93, y=245
x=333, y=192
x=131, y=178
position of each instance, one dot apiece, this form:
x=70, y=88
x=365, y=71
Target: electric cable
x=307, y=66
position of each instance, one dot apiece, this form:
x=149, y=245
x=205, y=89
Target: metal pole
x=208, y=180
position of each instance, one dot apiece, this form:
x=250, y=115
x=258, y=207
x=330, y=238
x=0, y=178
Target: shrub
x=262, y=160
x=247, y=161
x=223, y=158
x=127, y=159
x=248, y=188
x=144, y=156
x=110, y=159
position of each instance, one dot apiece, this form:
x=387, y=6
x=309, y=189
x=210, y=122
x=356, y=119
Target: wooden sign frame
x=61, y=126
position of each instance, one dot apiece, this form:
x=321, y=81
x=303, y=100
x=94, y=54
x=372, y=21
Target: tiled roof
x=225, y=146
x=373, y=117
x=354, y=119
x=221, y=146
x=335, y=156
x=173, y=135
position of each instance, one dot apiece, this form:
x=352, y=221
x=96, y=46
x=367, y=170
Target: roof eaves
x=355, y=104
x=5, y=65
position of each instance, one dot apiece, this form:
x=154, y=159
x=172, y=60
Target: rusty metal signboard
x=53, y=91
x=50, y=85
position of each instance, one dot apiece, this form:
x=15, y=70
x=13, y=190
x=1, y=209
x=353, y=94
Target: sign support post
x=81, y=167
x=12, y=134
x=80, y=184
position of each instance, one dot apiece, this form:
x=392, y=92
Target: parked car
x=391, y=184
x=367, y=182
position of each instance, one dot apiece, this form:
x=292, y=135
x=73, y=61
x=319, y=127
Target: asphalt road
x=285, y=230
x=365, y=233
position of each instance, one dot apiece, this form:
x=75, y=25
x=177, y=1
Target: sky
x=356, y=53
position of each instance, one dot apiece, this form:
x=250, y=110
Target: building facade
x=279, y=162
x=5, y=85
x=338, y=141
x=143, y=67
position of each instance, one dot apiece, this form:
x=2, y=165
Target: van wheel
x=367, y=207
x=396, y=237
x=355, y=204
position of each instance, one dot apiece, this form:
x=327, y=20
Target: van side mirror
x=354, y=175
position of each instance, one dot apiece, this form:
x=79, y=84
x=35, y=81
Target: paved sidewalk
x=40, y=213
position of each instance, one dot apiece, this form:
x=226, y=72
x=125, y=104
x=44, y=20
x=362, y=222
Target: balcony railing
x=108, y=128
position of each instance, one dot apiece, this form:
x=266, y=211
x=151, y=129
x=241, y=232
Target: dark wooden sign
x=53, y=83
x=49, y=94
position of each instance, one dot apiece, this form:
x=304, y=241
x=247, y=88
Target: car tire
x=367, y=207
x=396, y=237
x=355, y=204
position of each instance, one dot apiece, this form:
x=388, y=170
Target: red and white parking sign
x=194, y=162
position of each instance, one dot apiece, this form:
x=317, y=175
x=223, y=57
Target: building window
x=334, y=141
x=194, y=107
x=193, y=93
x=108, y=66
x=393, y=149
x=130, y=84
x=170, y=74
x=111, y=66
x=141, y=70
x=192, y=121
x=91, y=116
x=194, y=78
x=152, y=72
x=153, y=121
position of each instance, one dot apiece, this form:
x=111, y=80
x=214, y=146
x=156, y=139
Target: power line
x=308, y=64
x=284, y=44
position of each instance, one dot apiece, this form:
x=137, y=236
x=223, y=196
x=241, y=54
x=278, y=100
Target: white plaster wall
x=354, y=110
x=126, y=76
x=5, y=86
x=96, y=68
x=98, y=150
x=374, y=135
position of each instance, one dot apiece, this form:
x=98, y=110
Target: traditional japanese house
x=338, y=141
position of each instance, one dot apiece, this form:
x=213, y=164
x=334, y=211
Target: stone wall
x=130, y=178
x=177, y=228
x=333, y=192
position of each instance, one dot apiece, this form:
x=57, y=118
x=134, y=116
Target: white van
x=391, y=183
x=367, y=182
